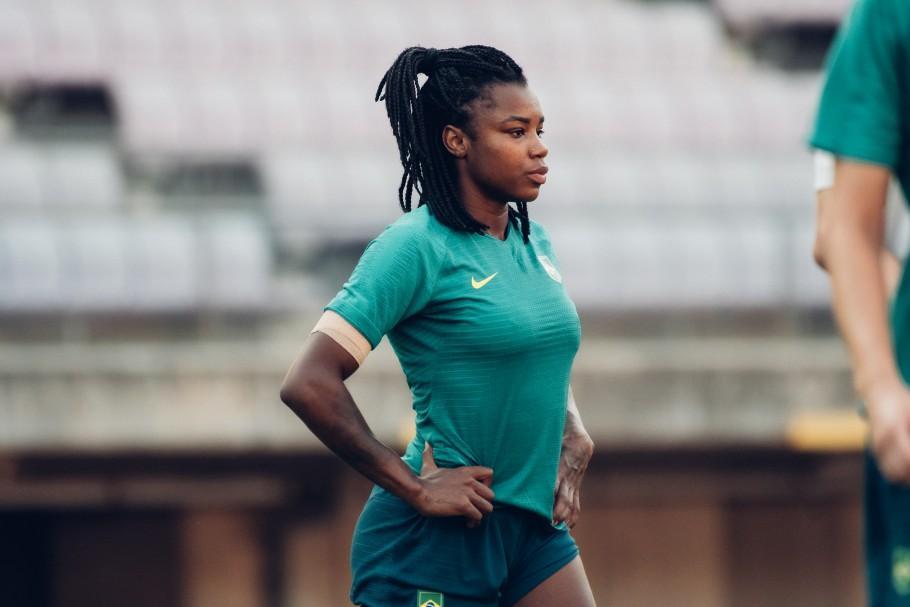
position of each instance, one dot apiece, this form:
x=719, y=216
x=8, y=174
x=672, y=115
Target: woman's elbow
x=289, y=394
x=818, y=250
x=296, y=393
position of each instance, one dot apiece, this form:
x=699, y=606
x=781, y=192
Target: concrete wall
x=224, y=395
x=694, y=528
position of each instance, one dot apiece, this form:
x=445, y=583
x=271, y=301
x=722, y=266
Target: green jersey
x=864, y=113
x=486, y=335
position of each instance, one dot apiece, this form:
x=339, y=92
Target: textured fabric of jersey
x=863, y=115
x=486, y=335
x=864, y=105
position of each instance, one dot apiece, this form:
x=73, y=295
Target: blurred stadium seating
x=743, y=14
x=652, y=114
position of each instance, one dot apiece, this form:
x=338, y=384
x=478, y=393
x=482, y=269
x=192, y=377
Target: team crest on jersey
x=900, y=570
x=550, y=268
x=429, y=599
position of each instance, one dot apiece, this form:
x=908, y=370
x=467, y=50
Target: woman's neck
x=488, y=212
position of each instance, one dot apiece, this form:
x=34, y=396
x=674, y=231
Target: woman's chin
x=530, y=196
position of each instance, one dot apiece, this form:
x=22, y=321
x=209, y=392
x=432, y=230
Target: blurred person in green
x=862, y=122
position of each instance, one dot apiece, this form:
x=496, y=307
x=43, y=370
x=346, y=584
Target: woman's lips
x=539, y=176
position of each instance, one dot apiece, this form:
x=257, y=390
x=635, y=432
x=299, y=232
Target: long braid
x=524, y=220
x=417, y=114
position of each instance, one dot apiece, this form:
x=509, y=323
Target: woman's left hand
x=573, y=461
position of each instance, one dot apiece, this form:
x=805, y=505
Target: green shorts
x=399, y=556
x=887, y=530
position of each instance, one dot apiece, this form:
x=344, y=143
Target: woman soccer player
x=477, y=512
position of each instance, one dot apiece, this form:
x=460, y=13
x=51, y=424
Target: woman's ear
x=455, y=141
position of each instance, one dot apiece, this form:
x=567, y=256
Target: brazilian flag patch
x=900, y=570
x=430, y=599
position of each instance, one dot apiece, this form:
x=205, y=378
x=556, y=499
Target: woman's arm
x=825, y=168
x=574, y=427
x=889, y=263
x=314, y=389
x=849, y=245
x=891, y=271
x=577, y=449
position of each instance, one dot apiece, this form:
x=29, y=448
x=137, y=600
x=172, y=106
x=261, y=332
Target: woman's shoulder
x=538, y=231
x=417, y=230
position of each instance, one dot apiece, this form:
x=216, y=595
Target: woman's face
x=503, y=151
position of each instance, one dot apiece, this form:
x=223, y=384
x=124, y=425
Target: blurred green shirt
x=864, y=113
x=486, y=335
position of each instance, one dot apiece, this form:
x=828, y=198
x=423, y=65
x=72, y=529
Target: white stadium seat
x=31, y=266
x=19, y=44
x=236, y=264
x=21, y=178
x=97, y=266
x=140, y=36
x=72, y=48
x=154, y=113
x=163, y=265
x=82, y=178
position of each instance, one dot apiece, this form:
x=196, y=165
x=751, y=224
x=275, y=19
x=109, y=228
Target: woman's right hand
x=888, y=406
x=463, y=491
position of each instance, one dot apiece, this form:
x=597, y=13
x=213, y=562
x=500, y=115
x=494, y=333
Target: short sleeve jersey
x=864, y=113
x=486, y=335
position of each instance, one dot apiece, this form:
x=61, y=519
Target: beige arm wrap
x=344, y=334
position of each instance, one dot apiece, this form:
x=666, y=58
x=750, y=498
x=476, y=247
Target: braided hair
x=455, y=77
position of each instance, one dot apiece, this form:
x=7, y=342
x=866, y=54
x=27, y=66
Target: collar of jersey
x=506, y=235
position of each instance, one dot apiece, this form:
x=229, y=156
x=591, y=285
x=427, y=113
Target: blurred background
x=183, y=185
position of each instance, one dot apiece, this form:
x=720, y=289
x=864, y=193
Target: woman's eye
x=518, y=133
x=540, y=133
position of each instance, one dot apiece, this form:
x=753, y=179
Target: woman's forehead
x=503, y=100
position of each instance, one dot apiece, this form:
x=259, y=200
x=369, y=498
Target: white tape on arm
x=824, y=170
x=345, y=335
x=897, y=224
